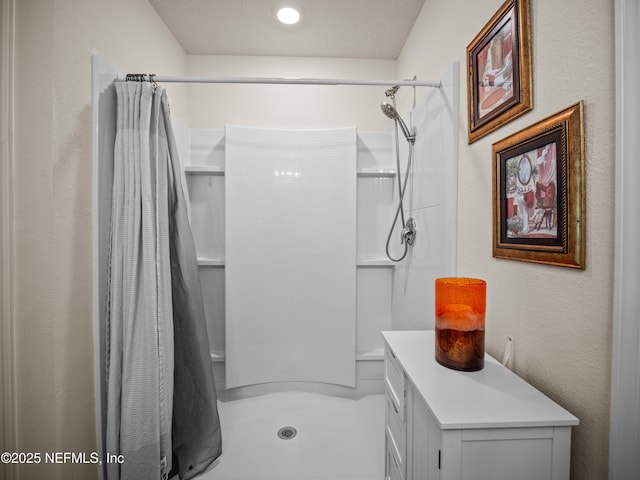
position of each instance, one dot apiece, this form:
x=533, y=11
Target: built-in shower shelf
x=371, y=355
x=363, y=263
x=377, y=354
x=374, y=262
x=210, y=262
x=217, y=356
x=376, y=172
x=203, y=170
x=217, y=170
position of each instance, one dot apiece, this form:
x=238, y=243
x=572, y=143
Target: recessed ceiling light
x=288, y=13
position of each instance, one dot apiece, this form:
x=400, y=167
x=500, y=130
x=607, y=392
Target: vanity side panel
x=561, y=463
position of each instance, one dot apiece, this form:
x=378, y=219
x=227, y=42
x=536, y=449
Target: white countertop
x=493, y=397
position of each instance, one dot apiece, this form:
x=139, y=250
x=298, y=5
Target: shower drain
x=287, y=433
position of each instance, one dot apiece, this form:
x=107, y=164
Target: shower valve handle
x=409, y=232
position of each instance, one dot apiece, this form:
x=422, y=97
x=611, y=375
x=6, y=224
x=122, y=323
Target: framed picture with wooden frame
x=499, y=78
x=538, y=192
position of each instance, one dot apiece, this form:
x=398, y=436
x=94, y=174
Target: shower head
x=390, y=111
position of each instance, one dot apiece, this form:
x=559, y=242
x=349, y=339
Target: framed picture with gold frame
x=499, y=78
x=538, y=192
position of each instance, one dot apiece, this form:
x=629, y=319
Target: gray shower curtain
x=161, y=399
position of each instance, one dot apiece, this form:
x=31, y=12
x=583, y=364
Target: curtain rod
x=277, y=81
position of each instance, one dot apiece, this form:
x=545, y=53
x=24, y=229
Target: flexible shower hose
x=401, y=191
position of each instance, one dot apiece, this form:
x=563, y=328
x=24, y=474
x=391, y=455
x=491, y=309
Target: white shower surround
x=388, y=295
x=433, y=201
x=290, y=257
x=376, y=196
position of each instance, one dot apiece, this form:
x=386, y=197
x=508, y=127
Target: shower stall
x=290, y=228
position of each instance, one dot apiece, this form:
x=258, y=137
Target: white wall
x=560, y=318
x=288, y=106
x=52, y=199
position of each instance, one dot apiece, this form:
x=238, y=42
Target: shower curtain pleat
x=197, y=440
x=140, y=321
x=140, y=343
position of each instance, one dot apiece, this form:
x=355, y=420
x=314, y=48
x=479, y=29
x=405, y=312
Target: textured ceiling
x=329, y=28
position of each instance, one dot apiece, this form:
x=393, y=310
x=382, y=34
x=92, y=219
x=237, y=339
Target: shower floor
x=337, y=438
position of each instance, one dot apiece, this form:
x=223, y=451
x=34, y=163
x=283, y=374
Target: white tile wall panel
x=290, y=200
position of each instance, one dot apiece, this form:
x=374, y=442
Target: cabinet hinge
x=439, y=458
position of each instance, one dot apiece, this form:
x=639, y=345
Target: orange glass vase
x=460, y=319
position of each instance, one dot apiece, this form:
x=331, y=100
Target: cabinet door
x=509, y=453
x=395, y=382
x=396, y=435
x=423, y=442
x=393, y=470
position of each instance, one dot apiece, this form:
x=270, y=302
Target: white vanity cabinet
x=450, y=425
